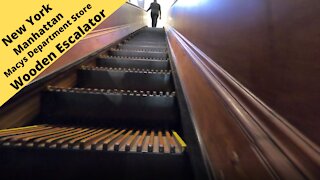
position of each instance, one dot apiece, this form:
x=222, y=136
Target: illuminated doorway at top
x=165, y=6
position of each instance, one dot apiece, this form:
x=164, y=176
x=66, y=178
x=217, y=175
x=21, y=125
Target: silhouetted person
x=155, y=12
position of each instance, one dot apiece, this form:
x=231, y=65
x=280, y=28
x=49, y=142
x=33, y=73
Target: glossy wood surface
x=124, y=21
x=270, y=46
x=230, y=153
x=287, y=152
x=22, y=114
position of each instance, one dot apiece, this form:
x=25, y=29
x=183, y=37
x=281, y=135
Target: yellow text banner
x=36, y=33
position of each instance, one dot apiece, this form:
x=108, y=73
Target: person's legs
x=154, y=18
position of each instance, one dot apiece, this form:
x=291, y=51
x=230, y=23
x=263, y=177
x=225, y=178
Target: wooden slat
x=97, y=142
x=76, y=141
x=151, y=141
x=37, y=141
x=121, y=141
x=172, y=144
x=22, y=131
x=15, y=138
x=50, y=132
x=16, y=129
x=87, y=141
x=131, y=141
x=63, y=141
x=49, y=142
x=161, y=143
x=141, y=140
x=109, y=140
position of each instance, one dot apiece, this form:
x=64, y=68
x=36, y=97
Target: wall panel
x=270, y=46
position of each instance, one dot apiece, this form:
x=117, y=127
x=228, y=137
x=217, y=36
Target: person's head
x=155, y=1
